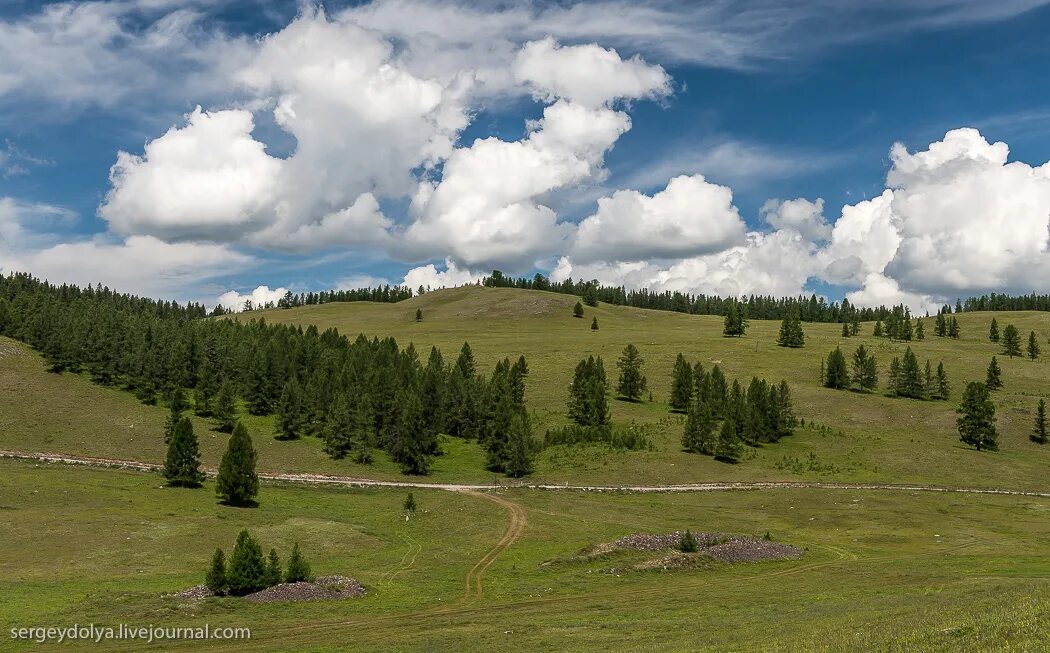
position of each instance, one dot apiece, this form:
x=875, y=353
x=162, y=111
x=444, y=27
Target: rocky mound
x=719, y=546
x=323, y=588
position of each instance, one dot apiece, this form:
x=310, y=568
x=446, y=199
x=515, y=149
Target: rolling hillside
x=849, y=435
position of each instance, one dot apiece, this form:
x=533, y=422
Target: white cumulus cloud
x=689, y=217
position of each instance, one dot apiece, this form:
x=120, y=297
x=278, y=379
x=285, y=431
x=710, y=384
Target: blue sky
x=771, y=101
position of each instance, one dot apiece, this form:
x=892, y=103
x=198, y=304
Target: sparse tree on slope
x=1033, y=346
x=1011, y=341
x=632, y=382
x=994, y=379
x=681, y=384
x=993, y=331
x=182, y=464
x=1039, y=432
x=865, y=369
x=729, y=448
x=976, y=419
x=699, y=433
x=237, y=482
x=836, y=375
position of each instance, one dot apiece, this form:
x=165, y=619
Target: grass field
x=882, y=571
x=851, y=436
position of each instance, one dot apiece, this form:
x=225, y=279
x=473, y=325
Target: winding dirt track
x=472, y=590
x=350, y=481
x=470, y=605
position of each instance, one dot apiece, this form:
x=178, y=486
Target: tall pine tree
x=976, y=419
x=237, y=482
x=182, y=464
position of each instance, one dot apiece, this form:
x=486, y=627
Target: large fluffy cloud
x=969, y=220
x=957, y=218
x=688, y=218
x=487, y=209
x=362, y=126
x=208, y=180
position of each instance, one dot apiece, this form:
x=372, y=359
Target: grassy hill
x=849, y=435
x=867, y=436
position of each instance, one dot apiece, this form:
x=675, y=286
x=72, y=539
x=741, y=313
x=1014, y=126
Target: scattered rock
x=322, y=589
x=720, y=546
x=195, y=593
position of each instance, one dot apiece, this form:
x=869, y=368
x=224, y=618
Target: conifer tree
x=699, y=433
x=836, y=376
x=594, y=324
x=920, y=330
x=878, y=329
x=338, y=428
x=225, y=411
x=577, y=310
x=1011, y=341
x=846, y=332
x=791, y=334
x=298, y=568
x=941, y=325
x=735, y=323
x=215, y=579
x=687, y=543
x=590, y=294
x=273, y=569
x=905, y=331
x=237, y=482
x=865, y=369
x=290, y=411
x=1033, y=346
x=854, y=327
x=717, y=395
x=409, y=446
x=994, y=379
x=895, y=374
x=681, y=384
x=419, y=315
x=976, y=419
x=177, y=405
x=409, y=505
x=944, y=389
x=1039, y=434
x=909, y=379
x=993, y=331
x=520, y=450
x=246, y=572
x=588, y=402
x=182, y=464
x=632, y=382
x=953, y=328
x=728, y=448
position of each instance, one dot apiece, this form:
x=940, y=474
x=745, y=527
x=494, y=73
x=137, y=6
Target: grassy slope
x=883, y=571
x=870, y=437
x=882, y=438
